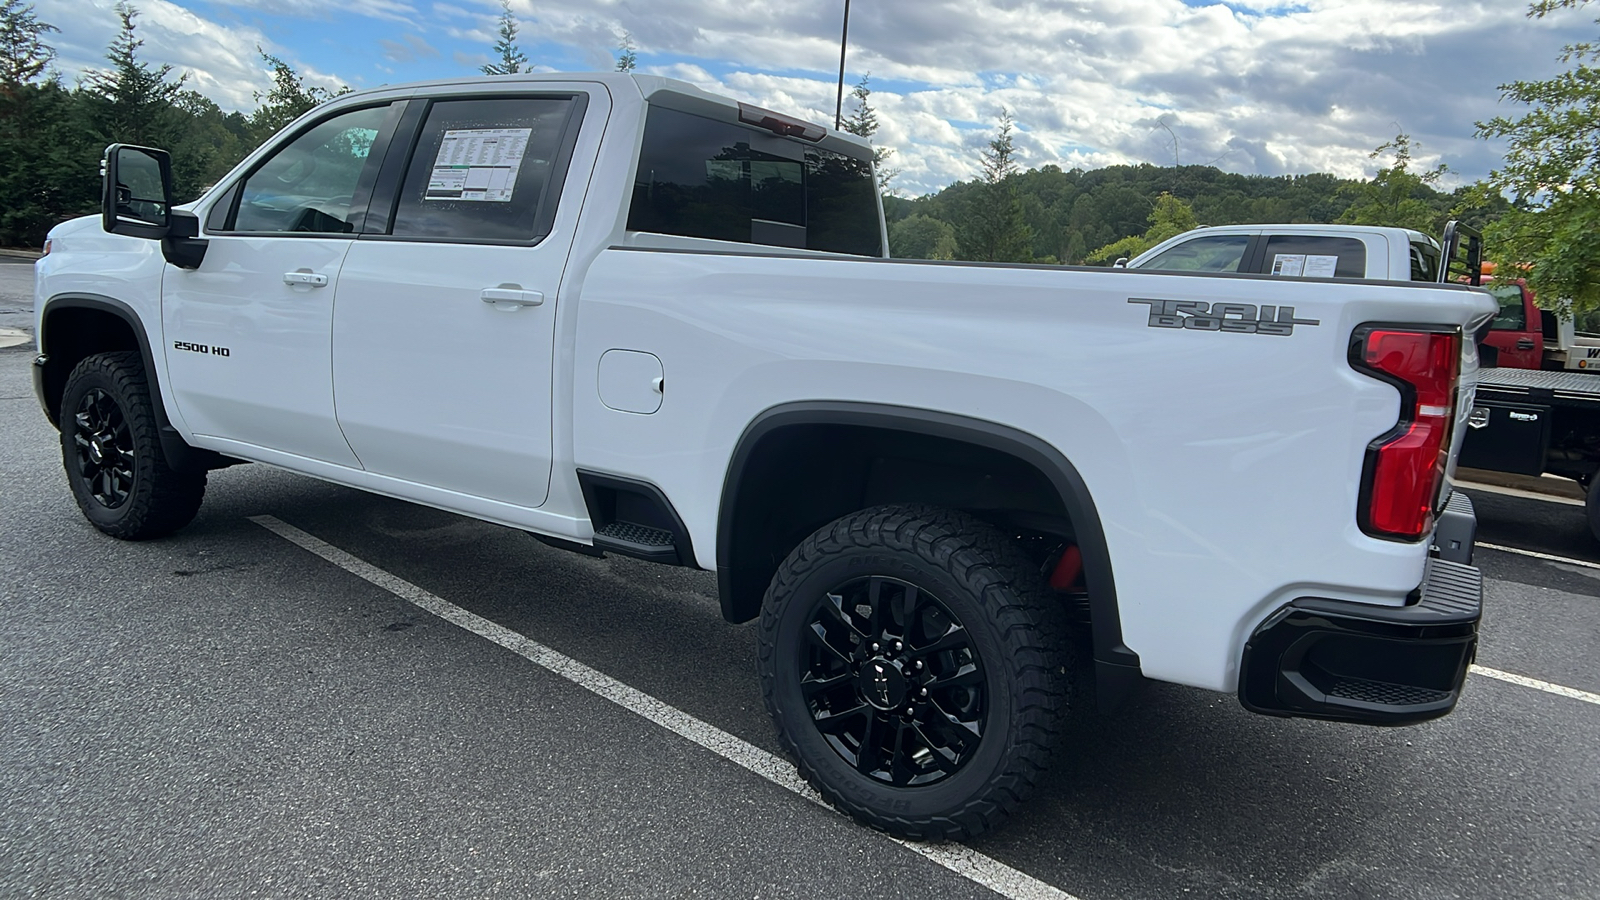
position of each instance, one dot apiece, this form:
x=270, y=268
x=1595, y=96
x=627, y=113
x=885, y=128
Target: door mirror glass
x=136, y=199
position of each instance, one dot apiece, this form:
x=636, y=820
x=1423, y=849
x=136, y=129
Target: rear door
x=444, y=334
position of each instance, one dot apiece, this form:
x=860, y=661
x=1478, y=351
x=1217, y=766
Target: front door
x=248, y=333
x=444, y=333
x=1517, y=335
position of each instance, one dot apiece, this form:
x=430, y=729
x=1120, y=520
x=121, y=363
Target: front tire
x=111, y=449
x=916, y=669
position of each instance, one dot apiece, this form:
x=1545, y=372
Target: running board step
x=641, y=541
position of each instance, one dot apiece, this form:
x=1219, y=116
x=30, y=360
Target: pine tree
x=627, y=53
x=995, y=230
x=132, y=102
x=863, y=122
x=512, y=59
x=288, y=100
x=23, y=53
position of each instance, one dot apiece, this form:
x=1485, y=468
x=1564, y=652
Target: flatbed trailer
x=1534, y=422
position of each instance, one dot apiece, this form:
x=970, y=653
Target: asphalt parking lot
x=226, y=713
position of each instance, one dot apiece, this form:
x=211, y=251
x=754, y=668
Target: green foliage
x=23, y=53
x=289, y=99
x=922, y=237
x=627, y=54
x=1552, y=172
x=133, y=103
x=512, y=59
x=863, y=122
x=994, y=228
x=1395, y=197
x=1169, y=217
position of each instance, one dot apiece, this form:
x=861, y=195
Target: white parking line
x=1537, y=555
x=964, y=861
x=1559, y=690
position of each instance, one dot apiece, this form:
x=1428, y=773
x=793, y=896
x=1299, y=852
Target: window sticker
x=1291, y=264
x=478, y=164
x=1321, y=266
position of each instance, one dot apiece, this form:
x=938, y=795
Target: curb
x=21, y=253
x=13, y=337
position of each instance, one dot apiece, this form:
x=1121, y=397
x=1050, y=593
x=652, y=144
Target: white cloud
x=1258, y=86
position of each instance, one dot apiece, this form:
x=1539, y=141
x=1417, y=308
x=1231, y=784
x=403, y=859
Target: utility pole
x=838, y=104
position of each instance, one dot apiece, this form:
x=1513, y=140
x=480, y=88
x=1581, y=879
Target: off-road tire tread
x=164, y=499
x=1034, y=630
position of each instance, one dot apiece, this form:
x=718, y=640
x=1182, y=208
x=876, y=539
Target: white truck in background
x=632, y=317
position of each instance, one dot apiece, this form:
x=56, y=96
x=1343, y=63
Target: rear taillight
x=1405, y=467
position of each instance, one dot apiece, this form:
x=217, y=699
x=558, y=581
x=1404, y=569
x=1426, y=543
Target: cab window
x=705, y=178
x=309, y=184
x=487, y=170
x=1513, y=316
x=1424, y=262
x=1220, y=253
x=1315, y=256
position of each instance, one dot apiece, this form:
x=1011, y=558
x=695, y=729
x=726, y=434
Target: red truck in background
x=1525, y=336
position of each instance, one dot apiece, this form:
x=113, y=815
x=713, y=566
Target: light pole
x=838, y=104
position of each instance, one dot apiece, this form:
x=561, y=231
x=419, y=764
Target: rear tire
x=916, y=668
x=111, y=449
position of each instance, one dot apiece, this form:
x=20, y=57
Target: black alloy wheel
x=111, y=450
x=105, y=449
x=916, y=668
x=893, y=681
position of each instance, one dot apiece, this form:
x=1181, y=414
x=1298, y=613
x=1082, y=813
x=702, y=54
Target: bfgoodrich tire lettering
x=984, y=623
x=111, y=449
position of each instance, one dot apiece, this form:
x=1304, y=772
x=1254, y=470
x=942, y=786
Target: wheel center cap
x=882, y=683
x=97, y=451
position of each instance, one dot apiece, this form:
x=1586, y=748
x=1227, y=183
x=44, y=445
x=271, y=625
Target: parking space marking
x=1537, y=555
x=963, y=861
x=1559, y=690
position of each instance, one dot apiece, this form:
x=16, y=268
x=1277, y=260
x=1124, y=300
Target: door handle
x=511, y=298
x=1525, y=344
x=306, y=278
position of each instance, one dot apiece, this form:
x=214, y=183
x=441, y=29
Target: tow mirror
x=136, y=199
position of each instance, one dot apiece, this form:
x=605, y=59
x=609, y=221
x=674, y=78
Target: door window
x=1513, y=316
x=309, y=185
x=486, y=170
x=1314, y=256
x=1220, y=253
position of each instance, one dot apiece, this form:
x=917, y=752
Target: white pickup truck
x=631, y=317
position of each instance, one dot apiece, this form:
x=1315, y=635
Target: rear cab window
x=1314, y=256
x=703, y=178
x=1513, y=315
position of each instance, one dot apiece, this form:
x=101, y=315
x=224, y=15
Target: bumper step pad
x=1355, y=662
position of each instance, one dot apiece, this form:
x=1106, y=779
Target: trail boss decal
x=1237, y=317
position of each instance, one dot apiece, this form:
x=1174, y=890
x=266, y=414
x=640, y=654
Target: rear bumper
x=1377, y=665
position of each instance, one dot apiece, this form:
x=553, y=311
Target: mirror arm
x=183, y=247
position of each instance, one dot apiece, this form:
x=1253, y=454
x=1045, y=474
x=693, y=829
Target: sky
x=1249, y=86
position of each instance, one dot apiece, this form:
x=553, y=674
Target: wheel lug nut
x=917, y=664
x=923, y=692
x=874, y=648
x=898, y=645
